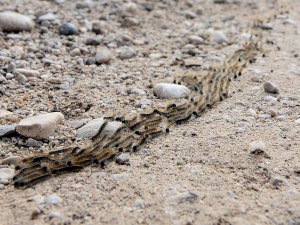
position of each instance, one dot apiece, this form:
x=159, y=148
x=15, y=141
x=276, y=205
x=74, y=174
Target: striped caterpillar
x=132, y=131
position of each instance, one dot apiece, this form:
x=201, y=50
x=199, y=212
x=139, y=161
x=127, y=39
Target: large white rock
x=15, y=22
x=41, y=126
x=171, y=91
x=91, y=128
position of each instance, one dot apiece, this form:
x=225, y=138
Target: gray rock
x=4, y=113
x=6, y=174
x=270, y=87
x=190, y=15
x=9, y=76
x=136, y=91
x=185, y=197
x=55, y=214
x=139, y=203
x=53, y=200
x=75, y=52
x=33, y=143
x=21, y=78
x=2, y=187
x=41, y=126
x=47, y=17
x=127, y=53
x=297, y=121
x=91, y=129
x=103, y=56
x=129, y=9
x=2, y=79
x=119, y=176
x=11, y=67
x=11, y=160
x=144, y=102
x=68, y=29
x=28, y=72
x=219, y=37
x=15, y=22
x=278, y=182
x=6, y=130
x=93, y=41
x=272, y=100
x=171, y=91
x=196, y=40
x=122, y=159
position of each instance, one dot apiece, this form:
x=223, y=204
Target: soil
x=204, y=171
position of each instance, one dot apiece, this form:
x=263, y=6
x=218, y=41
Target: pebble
x=38, y=200
x=53, y=200
x=92, y=127
x=33, y=143
x=129, y=9
x=127, y=53
x=195, y=40
x=2, y=187
x=139, y=203
x=41, y=126
x=171, y=91
x=11, y=160
x=185, y=197
x=190, y=15
x=297, y=121
x=21, y=79
x=2, y=79
x=257, y=147
x=255, y=78
x=103, y=56
x=11, y=67
x=75, y=52
x=119, y=176
x=6, y=174
x=68, y=29
x=272, y=100
x=278, y=182
x=144, y=102
x=136, y=91
x=56, y=214
x=122, y=159
x=269, y=87
x=219, y=37
x=9, y=76
x=47, y=17
x=4, y=113
x=6, y=130
x=15, y=22
x=28, y=72
x=265, y=116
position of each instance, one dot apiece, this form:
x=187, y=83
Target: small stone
x=33, y=143
x=9, y=76
x=190, y=15
x=103, y=56
x=219, y=37
x=255, y=78
x=195, y=40
x=246, y=36
x=68, y=29
x=129, y=9
x=39, y=199
x=11, y=160
x=269, y=87
x=6, y=174
x=4, y=113
x=144, y=102
x=278, y=182
x=99, y=27
x=21, y=79
x=15, y=22
x=122, y=159
x=119, y=176
x=257, y=148
x=47, y=17
x=92, y=128
x=136, y=91
x=264, y=116
x=171, y=91
x=2, y=187
x=93, y=41
x=220, y=1
x=75, y=52
x=11, y=67
x=139, y=203
x=2, y=79
x=53, y=200
x=272, y=100
x=56, y=214
x=127, y=53
x=185, y=197
x=130, y=22
x=297, y=121
x=6, y=130
x=41, y=126
x=28, y=72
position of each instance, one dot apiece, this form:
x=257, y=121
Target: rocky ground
x=236, y=164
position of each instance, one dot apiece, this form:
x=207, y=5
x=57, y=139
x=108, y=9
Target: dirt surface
x=204, y=171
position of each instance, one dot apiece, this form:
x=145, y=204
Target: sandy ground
x=203, y=172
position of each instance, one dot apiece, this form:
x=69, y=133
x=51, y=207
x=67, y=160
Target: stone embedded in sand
x=127, y=53
x=28, y=72
x=219, y=37
x=6, y=174
x=171, y=91
x=270, y=87
x=103, y=56
x=41, y=126
x=15, y=22
x=91, y=128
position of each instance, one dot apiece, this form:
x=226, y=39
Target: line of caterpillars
x=208, y=89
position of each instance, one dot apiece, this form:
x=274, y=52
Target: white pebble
x=272, y=100
x=218, y=37
x=15, y=22
x=6, y=174
x=171, y=91
x=257, y=146
x=53, y=199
